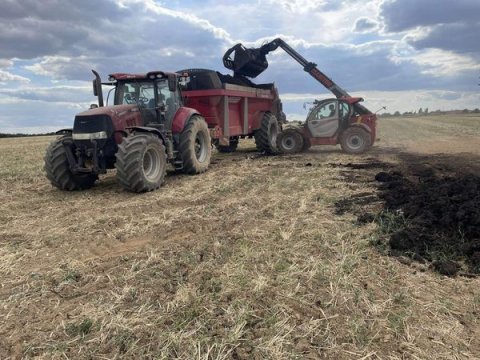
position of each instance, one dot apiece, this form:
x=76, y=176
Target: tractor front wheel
x=290, y=141
x=195, y=146
x=58, y=170
x=355, y=140
x=266, y=136
x=141, y=163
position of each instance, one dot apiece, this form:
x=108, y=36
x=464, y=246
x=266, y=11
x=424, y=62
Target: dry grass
x=247, y=261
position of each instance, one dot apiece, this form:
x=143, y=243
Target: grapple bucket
x=245, y=62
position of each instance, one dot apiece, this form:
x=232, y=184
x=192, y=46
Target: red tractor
x=340, y=120
x=159, y=118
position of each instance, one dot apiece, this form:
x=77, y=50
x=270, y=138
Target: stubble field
x=284, y=257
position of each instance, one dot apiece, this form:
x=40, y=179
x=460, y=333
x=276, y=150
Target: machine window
x=325, y=111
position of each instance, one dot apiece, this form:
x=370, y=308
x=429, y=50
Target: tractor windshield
x=141, y=93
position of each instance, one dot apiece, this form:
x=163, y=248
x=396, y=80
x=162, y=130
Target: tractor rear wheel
x=141, y=163
x=290, y=141
x=266, y=136
x=355, y=140
x=58, y=170
x=195, y=146
x=231, y=147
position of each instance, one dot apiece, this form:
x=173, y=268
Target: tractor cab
x=156, y=95
x=329, y=116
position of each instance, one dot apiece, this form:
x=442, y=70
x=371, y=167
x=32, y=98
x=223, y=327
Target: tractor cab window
x=163, y=93
x=138, y=92
x=167, y=100
x=325, y=111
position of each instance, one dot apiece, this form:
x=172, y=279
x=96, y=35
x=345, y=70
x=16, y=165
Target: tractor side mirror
x=172, y=83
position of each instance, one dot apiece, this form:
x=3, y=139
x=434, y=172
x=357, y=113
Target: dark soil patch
x=430, y=212
x=441, y=216
x=374, y=164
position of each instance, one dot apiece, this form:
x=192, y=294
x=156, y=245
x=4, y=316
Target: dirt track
x=260, y=257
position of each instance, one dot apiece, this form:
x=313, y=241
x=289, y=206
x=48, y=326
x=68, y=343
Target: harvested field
x=285, y=257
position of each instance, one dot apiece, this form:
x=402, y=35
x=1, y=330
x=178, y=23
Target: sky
x=402, y=54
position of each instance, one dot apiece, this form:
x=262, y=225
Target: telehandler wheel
x=355, y=140
x=231, y=147
x=290, y=141
x=266, y=136
x=141, y=163
x=195, y=146
x=58, y=169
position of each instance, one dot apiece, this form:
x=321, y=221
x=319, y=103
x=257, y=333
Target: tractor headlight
x=90, y=136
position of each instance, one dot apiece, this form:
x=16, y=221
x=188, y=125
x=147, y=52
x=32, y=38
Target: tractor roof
x=148, y=76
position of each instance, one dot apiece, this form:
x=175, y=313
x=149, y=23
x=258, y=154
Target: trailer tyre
x=306, y=145
x=58, y=170
x=231, y=147
x=290, y=141
x=195, y=146
x=141, y=163
x=355, y=140
x=266, y=136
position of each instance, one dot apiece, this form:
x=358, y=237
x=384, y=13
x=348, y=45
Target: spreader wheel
x=266, y=136
x=195, y=146
x=355, y=140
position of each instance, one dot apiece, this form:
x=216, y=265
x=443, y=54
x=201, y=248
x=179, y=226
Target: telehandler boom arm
x=252, y=62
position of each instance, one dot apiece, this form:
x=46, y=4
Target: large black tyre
x=195, y=147
x=266, y=136
x=141, y=163
x=231, y=147
x=58, y=170
x=290, y=141
x=355, y=140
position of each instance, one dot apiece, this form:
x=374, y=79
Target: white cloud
x=437, y=62
x=53, y=94
x=7, y=76
x=299, y=6
x=365, y=25
x=5, y=63
x=155, y=8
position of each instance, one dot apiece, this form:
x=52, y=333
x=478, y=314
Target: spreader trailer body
x=235, y=108
x=341, y=120
x=159, y=118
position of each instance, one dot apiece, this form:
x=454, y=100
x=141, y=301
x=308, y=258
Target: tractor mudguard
x=181, y=117
x=146, y=129
x=64, y=131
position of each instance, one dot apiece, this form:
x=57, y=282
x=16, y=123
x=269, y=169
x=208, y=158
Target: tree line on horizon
x=426, y=112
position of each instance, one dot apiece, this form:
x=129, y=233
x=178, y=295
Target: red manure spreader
x=341, y=120
x=159, y=118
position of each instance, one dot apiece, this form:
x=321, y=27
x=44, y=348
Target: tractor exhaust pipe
x=97, y=88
